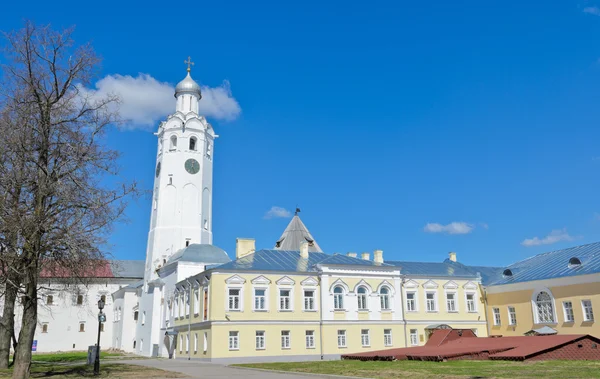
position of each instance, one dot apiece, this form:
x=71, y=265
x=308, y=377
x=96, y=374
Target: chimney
x=304, y=249
x=244, y=246
x=452, y=256
x=378, y=256
x=365, y=256
x=352, y=255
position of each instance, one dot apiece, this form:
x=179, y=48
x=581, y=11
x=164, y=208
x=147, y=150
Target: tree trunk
x=7, y=324
x=22, y=366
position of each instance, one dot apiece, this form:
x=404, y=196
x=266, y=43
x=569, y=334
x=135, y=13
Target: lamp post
x=101, y=319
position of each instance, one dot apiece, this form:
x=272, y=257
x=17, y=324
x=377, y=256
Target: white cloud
x=592, y=10
x=451, y=228
x=145, y=100
x=554, y=236
x=277, y=212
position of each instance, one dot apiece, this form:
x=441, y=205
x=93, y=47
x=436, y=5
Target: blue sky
x=376, y=118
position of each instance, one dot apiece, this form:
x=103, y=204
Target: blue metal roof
x=553, y=264
x=286, y=260
x=203, y=253
x=449, y=269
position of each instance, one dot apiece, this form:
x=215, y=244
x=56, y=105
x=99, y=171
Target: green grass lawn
x=454, y=369
x=112, y=371
x=68, y=356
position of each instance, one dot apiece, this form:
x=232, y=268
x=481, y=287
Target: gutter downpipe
x=189, y=336
x=402, y=307
x=321, y=317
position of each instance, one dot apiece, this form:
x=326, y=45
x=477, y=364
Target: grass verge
x=112, y=371
x=454, y=369
x=67, y=357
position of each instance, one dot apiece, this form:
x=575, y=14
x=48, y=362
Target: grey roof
x=127, y=268
x=290, y=261
x=295, y=233
x=434, y=269
x=203, y=253
x=553, y=264
x=543, y=330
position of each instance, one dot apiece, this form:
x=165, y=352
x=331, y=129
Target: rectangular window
x=234, y=340
x=285, y=300
x=309, y=300
x=471, y=302
x=49, y=300
x=568, y=311
x=45, y=328
x=186, y=298
x=512, y=316
x=364, y=337
x=234, y=299
x=411, y=301
x=431, y=303
x=195, y=343
x=196, y=302
x=260, y=299
x=82, y=326
x=205, y=347
x=187, y=343
x=260, y=340
x=205, y=305
x=387, y=337
x=451, y=302
x=285, y=339
x=414, y=337
x=588, y=312
x=496, y=316
x=310, y=339
x=79, y=299
x=180, y=344
x=341, y=335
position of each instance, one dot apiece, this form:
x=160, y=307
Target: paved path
x=198, y=370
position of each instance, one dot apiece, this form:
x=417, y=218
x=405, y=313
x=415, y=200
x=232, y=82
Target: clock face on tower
x=158, y=169
x=192, y=166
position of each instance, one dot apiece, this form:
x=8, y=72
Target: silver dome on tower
x=188, y=85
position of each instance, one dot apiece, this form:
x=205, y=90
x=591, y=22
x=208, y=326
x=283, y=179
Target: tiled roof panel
x=554, y=264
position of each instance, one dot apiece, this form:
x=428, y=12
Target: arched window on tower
x=173, y=145
x=193, y=143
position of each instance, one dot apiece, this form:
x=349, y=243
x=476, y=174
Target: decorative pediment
x=451, y=285
x=236, y=279
x=387, y=284
x=286, y=281
x=430, y=284
x=310, y=282
x=411, y=284
x=470, y=286
x=261, y=280
x=204, y=281
x=340, y=283
x=362, y=283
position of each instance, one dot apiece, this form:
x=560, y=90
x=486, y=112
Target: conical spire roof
x=295, y=233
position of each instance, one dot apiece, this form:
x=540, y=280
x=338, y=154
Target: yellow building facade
x=274, y=305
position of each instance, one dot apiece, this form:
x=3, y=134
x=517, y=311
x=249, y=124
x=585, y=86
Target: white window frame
x=365, y=338
x=195, y=343
x=385, y=300
x=240, y=300
x=534, y=307
x=362, y=299
x=455, y=301
x=474, y=294
x=414, y=333
x=566, y=313
x=260, y=342
x=286, y=339
x=310, y=339
x=414, y=300
x=291, y=299
x=387, y=338
x=266, y=298
x=180, y=344
x=196, y=301
x=187, y=343
x=341, y=338
x=496, y=316
x=339, y=298
x=234, y=340
x=314, y=299
x=205, y=342
x=512, y=315
x=586, y=317
x=435, y=302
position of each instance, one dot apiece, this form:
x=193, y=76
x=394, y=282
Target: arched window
x=384, y=296
x=574, y=262
x=507, y=273
x=545, y=311
x=338, y=298
x=193, y=143
x=362, y=298
x=173, y=145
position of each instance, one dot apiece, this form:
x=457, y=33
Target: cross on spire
x=189, y=63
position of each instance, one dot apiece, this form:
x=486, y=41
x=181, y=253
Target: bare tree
x=69, y=193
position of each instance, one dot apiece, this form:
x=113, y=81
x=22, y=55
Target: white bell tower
x=182, y=196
